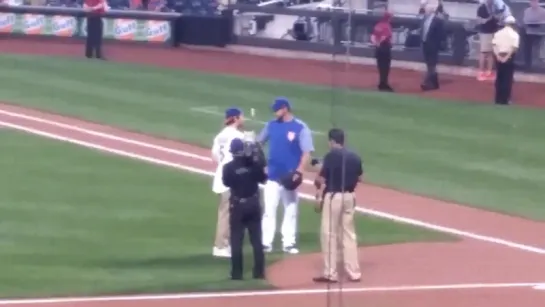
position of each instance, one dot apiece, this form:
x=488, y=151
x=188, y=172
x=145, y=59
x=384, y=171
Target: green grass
x=79, y=222
x=481, y=155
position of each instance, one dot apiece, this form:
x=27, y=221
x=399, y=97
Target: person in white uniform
x=234, y=120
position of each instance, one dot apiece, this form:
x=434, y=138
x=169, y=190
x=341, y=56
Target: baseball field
x=106, y=181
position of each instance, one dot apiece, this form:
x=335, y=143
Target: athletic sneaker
x=267, y=249
x=222, y=252
x=482, y=76
x=291, y=250
x=490, y=75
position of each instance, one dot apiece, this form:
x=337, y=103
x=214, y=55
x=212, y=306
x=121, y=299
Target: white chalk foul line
x=372, y=212
x=113, y=137
x=220, y=295
x=213, y=110
x=105, y=135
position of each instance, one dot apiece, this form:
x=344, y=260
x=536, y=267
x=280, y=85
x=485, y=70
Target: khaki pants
x=222, y=227
x=486, y=42
x=338, y=235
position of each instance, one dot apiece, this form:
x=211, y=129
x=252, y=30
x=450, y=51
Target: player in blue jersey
x=290, y=147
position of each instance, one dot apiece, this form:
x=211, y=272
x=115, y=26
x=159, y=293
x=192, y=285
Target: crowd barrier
x=338, y=33
x=131, y=26
x=335, y=31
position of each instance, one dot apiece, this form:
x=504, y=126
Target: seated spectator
x=135, y=4
x=35, y=2
x=534, y=19
x=61, y=3
x=119, y=4
x=157, y=5
x=14, y=2
x=440, y=11
x=193, y=7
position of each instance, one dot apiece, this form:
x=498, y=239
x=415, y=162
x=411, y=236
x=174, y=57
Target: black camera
x=254, y=155
x=302, y=29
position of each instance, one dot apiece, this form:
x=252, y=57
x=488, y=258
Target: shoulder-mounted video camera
x=253, y=154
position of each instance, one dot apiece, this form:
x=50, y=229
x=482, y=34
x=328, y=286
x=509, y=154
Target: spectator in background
x=119, y=4
x=506, y=43
x=488, y=25
x=93, y=44
x=37, y=2
x=501, y=9
x=14, y=2
x=432, y=35
x=534, y=18
x=156, y=5
x=381, y=39
x=135, y=4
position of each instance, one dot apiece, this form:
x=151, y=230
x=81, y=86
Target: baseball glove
x=292, y=181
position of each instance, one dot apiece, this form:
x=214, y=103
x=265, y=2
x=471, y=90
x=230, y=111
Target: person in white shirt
x=234, y=120
x=505, y=45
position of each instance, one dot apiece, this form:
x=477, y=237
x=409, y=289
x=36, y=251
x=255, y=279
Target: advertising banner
x=66, y=26
x=133, y=30
x=32, y=24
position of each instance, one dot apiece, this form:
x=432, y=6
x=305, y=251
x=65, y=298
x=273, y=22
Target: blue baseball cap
x=236, y=147
x=232, y=112
x=280, y=103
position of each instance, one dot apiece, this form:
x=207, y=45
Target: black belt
x=336, y=192
x=242, y=200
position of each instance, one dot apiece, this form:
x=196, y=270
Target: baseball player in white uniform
x=220, y=154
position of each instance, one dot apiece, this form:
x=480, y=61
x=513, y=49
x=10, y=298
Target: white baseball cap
x=509, y=20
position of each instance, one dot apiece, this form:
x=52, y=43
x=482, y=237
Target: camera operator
x=242, y=176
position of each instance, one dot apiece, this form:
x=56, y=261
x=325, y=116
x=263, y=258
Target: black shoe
x=236, y=277
x=385, y=88
x=426, y=87
x=259, y=276
x=323, y=279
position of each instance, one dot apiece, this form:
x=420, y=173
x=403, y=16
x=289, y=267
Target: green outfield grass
x=475, y=154
x=75, y=221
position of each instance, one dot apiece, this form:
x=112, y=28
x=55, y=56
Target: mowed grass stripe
x=79, y=222
x=474, y=154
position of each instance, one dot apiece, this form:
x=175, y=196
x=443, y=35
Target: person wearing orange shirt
x=93, y=44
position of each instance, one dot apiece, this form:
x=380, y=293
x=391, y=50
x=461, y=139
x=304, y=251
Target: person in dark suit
x=432, y=36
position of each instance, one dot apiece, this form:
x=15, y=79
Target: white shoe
x=267, y=249
x=222, y=252
x=291, y=250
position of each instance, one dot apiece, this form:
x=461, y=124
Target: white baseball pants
x=273, y=193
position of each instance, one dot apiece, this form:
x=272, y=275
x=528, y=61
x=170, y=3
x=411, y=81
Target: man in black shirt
x=242, y=176
x=488, y=25
x=336, y=182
